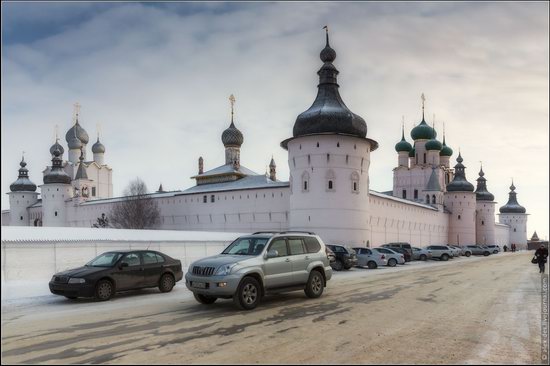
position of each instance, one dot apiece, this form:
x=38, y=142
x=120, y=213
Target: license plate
x=199, y=284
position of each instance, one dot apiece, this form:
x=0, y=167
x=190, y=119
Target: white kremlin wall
x=395, y=220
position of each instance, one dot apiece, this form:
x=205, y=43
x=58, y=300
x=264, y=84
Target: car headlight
x=224, y=270
x=77, y=280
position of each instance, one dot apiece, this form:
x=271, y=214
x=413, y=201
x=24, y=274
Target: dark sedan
x=345, y=257
x=116, y=271
x=403, y=251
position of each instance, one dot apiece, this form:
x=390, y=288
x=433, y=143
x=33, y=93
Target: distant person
x=541, y=254
x=505, y=248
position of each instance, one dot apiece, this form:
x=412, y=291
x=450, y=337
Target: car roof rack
x=284, y=232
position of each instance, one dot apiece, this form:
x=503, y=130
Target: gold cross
x=232, y=101
x=76, y=109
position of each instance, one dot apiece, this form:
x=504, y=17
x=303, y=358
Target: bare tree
x=137, y=210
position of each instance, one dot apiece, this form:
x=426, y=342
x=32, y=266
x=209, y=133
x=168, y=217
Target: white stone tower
x=23, y=194
x=55, y=191
x=329, y=157
x=485, y=212
x=460, y=200
x=513, y=215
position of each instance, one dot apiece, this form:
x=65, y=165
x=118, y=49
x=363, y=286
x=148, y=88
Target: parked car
x=405, y=252
x=421, y=254
x=369, y=258
x=457, y=251
x=478, y=250
x=345, y=257
x=256, y=264
x=403, y=245
x=494, y=248
x=466, y=251
x=116, y=271
x=441, y=252
x=330, y=255
x=392, y=257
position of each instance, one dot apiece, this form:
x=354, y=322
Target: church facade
x=328, y=191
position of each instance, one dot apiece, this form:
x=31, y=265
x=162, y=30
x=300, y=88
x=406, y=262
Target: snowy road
x=467, y=310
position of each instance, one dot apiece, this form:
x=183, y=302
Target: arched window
x=330, y=177
x=305, y=182
x=416, y=194
x=482, y=222
x=309, y=159
x=427, y=198
x=424, y=158
x=354, y=182
x=433, y=199
x=459, y=217
x=405, y=193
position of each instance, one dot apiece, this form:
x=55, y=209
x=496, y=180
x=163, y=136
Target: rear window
x=312, y=244
x=338, y=249
x=296, y=246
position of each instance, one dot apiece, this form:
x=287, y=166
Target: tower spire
x=326, y=29
x=402, y=128
x=423, y=101
x=232, y=101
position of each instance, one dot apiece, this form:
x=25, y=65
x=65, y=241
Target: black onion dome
x=512, y=206
x=459, y=183
x=98, y=147
x=232, y=136
x=328, y=113
x=482, y=194
x=23, y=183
x=57, y=145
x=57, y=173
x=77, y=131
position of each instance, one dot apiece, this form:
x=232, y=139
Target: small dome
x=232, y=136
x=57, y=174
x=98, y=147
x=403, y=146
x=423, y=132
x=459, y=183
x=412, y=153
x=56, y=146
x=79, y=132
x=446, y=151
x=23, y=183
x=433, y=144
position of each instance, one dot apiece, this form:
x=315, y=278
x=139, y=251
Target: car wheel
x=104, y=290
x=203, y=299
x=347, y=267
x=71, y=297
x=495, y=252
x=372, y=265
x=423, y=257
x=444, y=257
x=486, y=253
x=248, y=294
x=468, y=254
x=315, y=285
x=166, y=283
x=392, y=262
x=337, y=265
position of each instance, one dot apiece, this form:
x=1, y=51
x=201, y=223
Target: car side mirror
x=122, y=265
x=272, y=254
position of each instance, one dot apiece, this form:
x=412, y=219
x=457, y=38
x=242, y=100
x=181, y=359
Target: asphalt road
x=467, y=310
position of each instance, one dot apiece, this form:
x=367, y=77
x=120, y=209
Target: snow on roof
x=58, y=234
x=226, y=169
x=122, y=198
x=248, y=182
x=402, y=200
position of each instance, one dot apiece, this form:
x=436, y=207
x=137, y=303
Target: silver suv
x=263, y=262
x=442, y=252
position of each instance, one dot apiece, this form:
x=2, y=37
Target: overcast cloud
x=157, y=78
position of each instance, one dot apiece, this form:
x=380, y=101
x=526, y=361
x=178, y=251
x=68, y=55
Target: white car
x=369, y=258
x=494, y=248
x=441, y=252
x=392, y=257
x=457, y=251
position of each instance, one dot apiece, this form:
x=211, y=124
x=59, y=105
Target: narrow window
x=347, y=159
x=424, y=158
x=309, y=159
x=329, y=184
x=405, y=193
x=427, y=198
x=459, y=217
x=204, y=199
x=433, y=199
x=317, y=144
x=21, y=218
x=355, y=186
x=338, y=144
x=55, y=213
x=328, y=158
x=416, y=194
x=482, y=222
x=93, y=191
x=305, y=185
x=212, y=198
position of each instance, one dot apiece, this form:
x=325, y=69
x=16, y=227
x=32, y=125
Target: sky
x=155, y=78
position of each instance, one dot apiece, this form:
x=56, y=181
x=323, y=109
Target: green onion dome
x=446, y=150
x=433, y=144
x=423, y=131
x=412, y=153
x=403, y=145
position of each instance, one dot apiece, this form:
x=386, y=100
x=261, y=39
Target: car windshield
x=246, y=246
x=105, y=260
